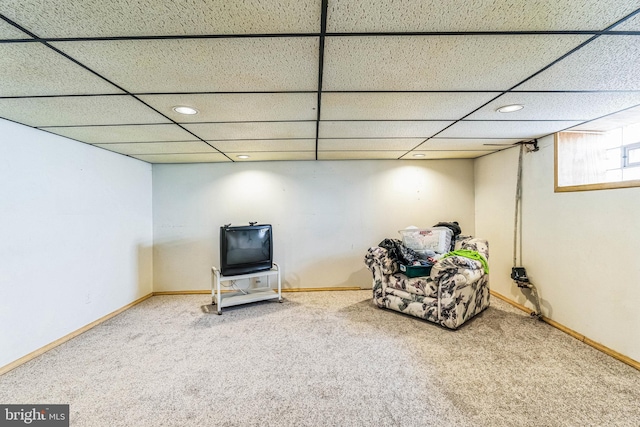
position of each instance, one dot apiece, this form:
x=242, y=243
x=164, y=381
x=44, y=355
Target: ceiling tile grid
x=452, y=62
x=360, y=155
x=475, y=15
x=506, y=129
x=402, y=105
x=280, y=80
x=381, y=129
x=10, y=32
x=183, y=158
x=79, y=110
x=607, y=63
x=237, y=107
x=275, y=156
x=240, y=146
x=202, y=65
x=253, y=130
x=631, y=24
x=444, y=154
x=557, y=106
x=461, y=144
x=175, y=147
x=31, y=69
x=118, y=18
x=123, y=133
x=368, y=144
x=611, y=121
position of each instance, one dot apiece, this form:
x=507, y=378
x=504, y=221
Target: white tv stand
x=244, y=296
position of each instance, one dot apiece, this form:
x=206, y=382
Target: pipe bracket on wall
x=534, y=295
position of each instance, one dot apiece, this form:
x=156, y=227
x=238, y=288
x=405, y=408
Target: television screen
x=245, y=249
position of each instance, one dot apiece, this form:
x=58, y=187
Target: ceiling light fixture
x=418, y=155
x=182, y=109
x=510, y=108
x=243, y=156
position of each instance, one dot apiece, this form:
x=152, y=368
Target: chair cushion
x=423, y=286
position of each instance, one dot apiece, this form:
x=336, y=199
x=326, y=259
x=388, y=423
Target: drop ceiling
x=314, y=79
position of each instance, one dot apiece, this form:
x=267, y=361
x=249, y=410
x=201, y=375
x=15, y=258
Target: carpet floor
x=325, y=359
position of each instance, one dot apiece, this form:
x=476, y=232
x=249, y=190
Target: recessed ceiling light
x=418, y=155
x=182, y=109
x=243, y=156
x=510, y=108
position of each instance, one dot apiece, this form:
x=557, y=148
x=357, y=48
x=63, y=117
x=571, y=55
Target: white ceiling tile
x=275, y=156
x=183, y=158
x=401, y=106
x=249, y=145
x=124, y=133
x=622, y=118
x=177, y=147
x=360, y=155
x=451, y=75
x=203, y=65
x=55, y=18
x=365, y=144
x=253, y=130
x=78, y=110
x=381, y=129
x=28, y=69
x=236, y=107
x=631, y=24
x=484, y=63
x=10, y=32
x=433, y=155
x=557, y=106
x=476, y=15
x=456, y=144
x=505, y=129
x=607, y=63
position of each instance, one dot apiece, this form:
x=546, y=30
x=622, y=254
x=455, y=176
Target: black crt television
x=245, y=249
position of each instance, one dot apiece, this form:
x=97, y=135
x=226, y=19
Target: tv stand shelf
x=244, y=296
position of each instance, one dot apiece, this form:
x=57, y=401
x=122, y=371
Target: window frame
x=627, y=148
x=588, y=187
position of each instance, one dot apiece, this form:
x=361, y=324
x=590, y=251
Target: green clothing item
x=470, y=254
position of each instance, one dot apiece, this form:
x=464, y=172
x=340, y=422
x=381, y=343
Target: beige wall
x=77, y=230
x=579, y=248
x=75, y=236
x=325, y=214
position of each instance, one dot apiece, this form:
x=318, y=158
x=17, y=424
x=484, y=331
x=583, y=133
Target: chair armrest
x=474, y=244
x=463, y=289
x=462, y=270
x=377, y=257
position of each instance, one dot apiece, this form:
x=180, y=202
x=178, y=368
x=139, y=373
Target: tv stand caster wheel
x=280, y=300
x=219, y=312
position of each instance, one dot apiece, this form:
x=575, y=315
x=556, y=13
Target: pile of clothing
x=404, y=255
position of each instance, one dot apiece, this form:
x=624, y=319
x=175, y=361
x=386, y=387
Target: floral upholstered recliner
x=456, y=290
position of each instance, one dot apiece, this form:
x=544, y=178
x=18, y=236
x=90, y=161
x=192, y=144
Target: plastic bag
x=426, y=241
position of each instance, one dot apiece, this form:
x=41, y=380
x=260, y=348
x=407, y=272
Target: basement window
x=631, y=156
x=593, y=160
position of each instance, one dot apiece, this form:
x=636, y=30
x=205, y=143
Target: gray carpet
x=325, y=359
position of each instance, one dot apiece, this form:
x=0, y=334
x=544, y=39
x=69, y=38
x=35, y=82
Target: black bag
x=399, y=252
